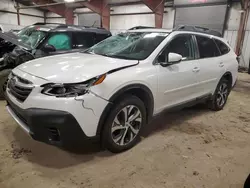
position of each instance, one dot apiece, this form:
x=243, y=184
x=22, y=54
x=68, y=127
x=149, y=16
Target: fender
x=145, y=93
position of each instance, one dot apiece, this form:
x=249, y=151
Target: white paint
x=169, y=86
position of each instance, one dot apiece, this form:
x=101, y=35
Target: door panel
x=178, y=83
x=211, y=64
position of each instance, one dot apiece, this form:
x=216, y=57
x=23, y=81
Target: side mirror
x=49, y=48
x=173, y=58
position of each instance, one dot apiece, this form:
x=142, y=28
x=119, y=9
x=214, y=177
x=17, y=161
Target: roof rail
x=79, y=26
x=197, y=29
x=42, y=23
x=140, y=27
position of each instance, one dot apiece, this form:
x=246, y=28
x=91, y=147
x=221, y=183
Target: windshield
x=130, y=45
x=31, y=36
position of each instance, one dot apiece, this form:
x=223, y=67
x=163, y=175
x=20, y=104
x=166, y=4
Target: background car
x=41, y=40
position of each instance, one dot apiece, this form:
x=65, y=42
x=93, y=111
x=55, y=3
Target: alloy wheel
x=222, y=94
x=126, y=125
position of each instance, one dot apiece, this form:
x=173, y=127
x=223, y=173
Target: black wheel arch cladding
x=228, y=76
x=139, y=90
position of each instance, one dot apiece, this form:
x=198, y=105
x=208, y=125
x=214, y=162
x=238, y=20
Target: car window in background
x=207, y=47
x=31, y=36
x=33, y=39
x=60, y=41
x=130, y=45
x=182, y=45
x=223, y=47
x=26, y=31
x=82, y=40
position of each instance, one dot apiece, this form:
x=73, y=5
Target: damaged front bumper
x=61, y=121
x=54, y=127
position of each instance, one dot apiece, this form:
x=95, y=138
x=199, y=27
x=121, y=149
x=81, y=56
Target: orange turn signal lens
x=99, y=80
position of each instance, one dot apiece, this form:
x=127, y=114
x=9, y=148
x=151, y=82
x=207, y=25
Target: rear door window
x=82, y=40
x=223, y=47
x=207, y=47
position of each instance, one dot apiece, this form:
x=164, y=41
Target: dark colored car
x=40, y=40
x=5, y=47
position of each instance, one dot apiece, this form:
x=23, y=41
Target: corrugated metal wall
x=212, y=17
x=92, y=19
x=245, y=58
x=232, y=31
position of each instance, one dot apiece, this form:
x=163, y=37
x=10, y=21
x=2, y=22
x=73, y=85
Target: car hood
x=12, y=38
x=73, y=68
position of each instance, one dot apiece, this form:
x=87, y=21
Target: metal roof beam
x=102, y=8
x=157, y=6
x=59, y=9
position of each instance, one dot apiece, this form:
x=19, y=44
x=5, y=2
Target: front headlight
x=71, y=90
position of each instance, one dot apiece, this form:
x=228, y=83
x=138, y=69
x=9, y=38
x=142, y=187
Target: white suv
x=113, y=89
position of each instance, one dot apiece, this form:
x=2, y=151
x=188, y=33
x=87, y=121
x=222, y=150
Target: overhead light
x=69, y=1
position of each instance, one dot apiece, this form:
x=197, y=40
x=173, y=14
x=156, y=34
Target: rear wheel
x=220, y=96
x=124, y=123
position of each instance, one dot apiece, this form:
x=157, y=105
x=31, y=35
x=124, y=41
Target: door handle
x=196, y=69
x=221, y=64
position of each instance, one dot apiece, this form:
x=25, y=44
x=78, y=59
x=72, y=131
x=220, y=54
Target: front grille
x=19, y=88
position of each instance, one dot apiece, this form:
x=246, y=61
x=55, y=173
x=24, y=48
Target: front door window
x=60, y=41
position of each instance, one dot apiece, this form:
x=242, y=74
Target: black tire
x=214, y=103
x=3, y=77
x=247, y=182
x=107, y=137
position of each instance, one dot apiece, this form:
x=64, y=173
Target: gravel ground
x=194, y=147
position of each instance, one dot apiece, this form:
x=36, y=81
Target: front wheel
x=124, y=123
x=220, y=96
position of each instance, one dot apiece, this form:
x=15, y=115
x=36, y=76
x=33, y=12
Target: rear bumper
x=50, y=126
